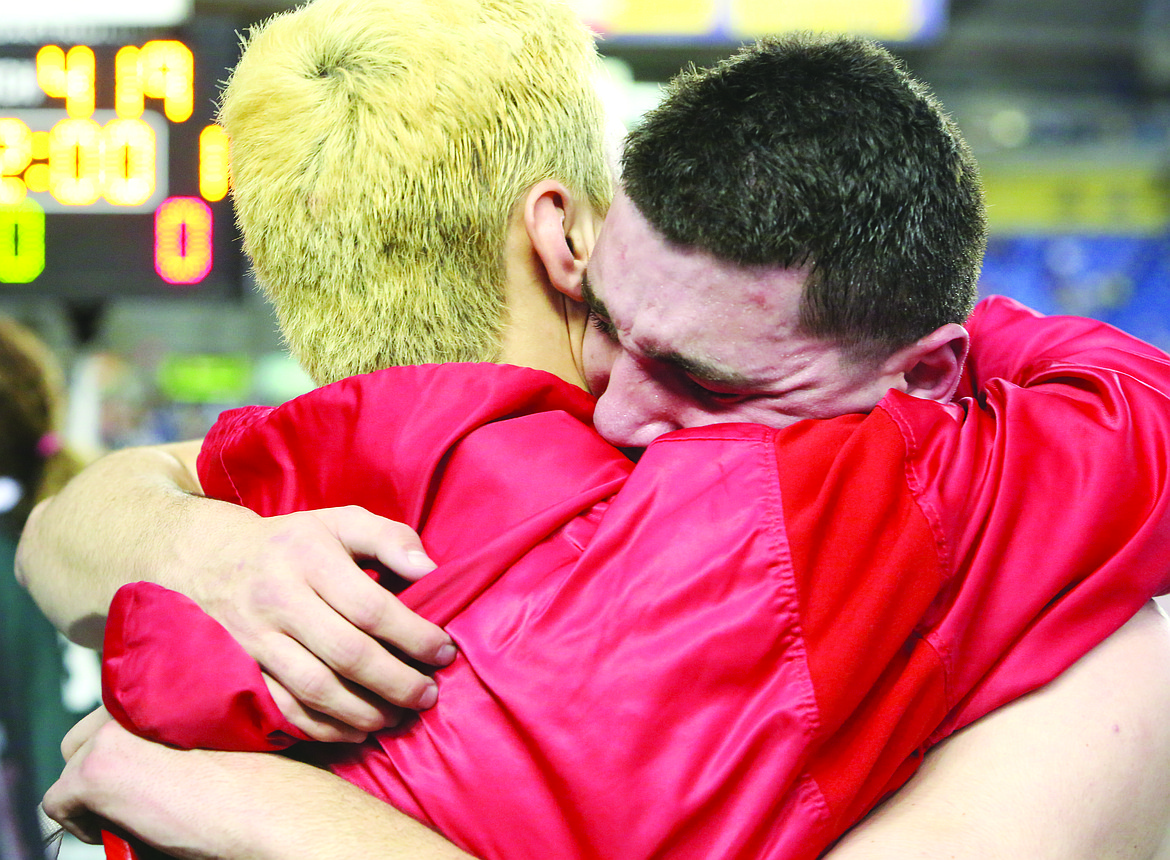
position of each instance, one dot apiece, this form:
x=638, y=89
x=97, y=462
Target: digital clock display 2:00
x=78, y=175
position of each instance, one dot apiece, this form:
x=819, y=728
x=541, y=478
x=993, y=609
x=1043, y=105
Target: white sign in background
x=98, y=13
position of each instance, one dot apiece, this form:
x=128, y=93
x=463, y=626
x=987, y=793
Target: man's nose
x=634, y=409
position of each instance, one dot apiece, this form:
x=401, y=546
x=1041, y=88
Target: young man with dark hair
x=849, y=167
x=846, y=185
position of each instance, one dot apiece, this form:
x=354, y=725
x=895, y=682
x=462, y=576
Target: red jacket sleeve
x=950, y=558
x=1045, y=485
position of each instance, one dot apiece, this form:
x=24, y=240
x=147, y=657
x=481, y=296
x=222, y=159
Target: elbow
x=26, y=548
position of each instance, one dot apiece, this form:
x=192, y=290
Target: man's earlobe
x=562, y=232
x=933, y=365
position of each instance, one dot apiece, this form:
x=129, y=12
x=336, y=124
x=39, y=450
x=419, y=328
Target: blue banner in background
x=1122, y=280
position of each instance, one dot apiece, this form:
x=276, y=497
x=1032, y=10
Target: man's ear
x=931, y=366
x=562, y=231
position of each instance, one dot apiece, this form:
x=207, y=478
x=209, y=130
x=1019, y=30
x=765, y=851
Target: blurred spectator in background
x=33, y=464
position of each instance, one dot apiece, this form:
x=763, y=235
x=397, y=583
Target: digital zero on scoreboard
x=113, y=174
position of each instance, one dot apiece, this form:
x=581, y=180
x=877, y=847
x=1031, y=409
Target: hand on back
x=288, y=589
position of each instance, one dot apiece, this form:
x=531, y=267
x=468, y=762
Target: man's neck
x=542, y=329
x=542, y=336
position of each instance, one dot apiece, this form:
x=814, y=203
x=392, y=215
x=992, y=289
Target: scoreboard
x=113, y=173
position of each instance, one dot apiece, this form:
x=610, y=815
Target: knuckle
x=312, y=686
x=365, y=722
x=406, y=537
x=350, y=655
x=262, y=647
x=352, y=515
x=298, y=533
x=380, y=612
x=267, y=596
x=369, y=615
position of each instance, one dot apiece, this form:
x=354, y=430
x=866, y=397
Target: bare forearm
x=1080, y=769
x=251, y=806
x=332, y=820
x=286, y=588
x=127, y=517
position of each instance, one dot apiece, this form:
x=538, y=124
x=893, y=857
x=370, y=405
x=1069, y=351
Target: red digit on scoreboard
x=182, y=240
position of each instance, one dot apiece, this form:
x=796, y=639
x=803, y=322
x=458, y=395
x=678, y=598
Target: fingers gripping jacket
x=140, y=681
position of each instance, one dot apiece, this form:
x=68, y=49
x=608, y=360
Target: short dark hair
x=823, y=152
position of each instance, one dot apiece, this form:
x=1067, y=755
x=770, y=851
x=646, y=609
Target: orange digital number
x=75, y=161
x=128, y=161
x=16, y=151
x=128, y=97
x=214, y=179
x=182, y=240
x=68, y=76
x=167, y=70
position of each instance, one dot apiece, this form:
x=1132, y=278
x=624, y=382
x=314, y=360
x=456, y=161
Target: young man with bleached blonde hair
x=647, y=609
x=379, y=234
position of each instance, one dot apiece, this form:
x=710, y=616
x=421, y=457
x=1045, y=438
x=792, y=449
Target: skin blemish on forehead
x=760, y=297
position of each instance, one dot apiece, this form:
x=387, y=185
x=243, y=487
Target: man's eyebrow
x=595, y=305
x=597, y=309
x=702, y=371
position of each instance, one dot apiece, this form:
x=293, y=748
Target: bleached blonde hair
x=378, y=149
